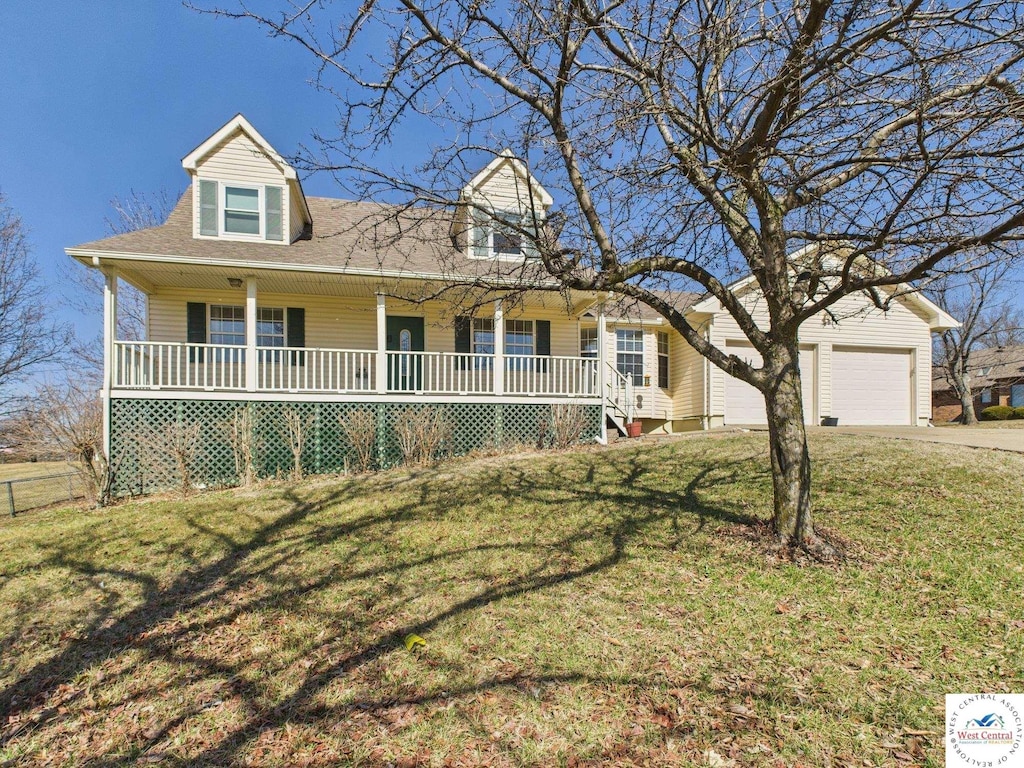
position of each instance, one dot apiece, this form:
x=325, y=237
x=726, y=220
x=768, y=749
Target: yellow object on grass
x=412, y=640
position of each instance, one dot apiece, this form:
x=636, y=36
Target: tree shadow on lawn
x=362, y=575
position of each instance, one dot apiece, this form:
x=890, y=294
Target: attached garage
x=745, y=405
x=872, y=385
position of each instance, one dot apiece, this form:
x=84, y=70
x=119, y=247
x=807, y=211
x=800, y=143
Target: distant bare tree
x=131, y=213
x=67, y=419
x=29, y=336
x=980, y=301
x=689, y=142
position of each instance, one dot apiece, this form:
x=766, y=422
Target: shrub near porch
x=594, y=606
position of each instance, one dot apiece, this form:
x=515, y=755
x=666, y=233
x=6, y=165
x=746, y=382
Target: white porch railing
x=620, y=392
x=440, y=373
x=152, y=365
x=293, y=369
x=548, y=375
x=168, y=365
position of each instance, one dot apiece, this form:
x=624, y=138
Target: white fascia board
x=86, y=256
x=238, y=123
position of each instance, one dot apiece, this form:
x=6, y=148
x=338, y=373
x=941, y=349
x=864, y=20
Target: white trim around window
x=243, y=205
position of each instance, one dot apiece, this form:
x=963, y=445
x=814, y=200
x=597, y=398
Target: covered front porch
x=218, y=331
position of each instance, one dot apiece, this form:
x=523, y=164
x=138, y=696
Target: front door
x=405, y=371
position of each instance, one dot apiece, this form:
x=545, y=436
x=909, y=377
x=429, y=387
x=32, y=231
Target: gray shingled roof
x=357, y=235
x=999, y=364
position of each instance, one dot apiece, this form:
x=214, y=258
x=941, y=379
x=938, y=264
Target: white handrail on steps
x=620, y=393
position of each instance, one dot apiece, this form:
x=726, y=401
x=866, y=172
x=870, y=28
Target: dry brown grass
x=593, y=607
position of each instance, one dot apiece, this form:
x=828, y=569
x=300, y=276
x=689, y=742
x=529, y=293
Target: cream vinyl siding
x=505, y=190
x=860, y=325
x=333, y=323
x=292, y=205
x=345, y=323
x=686, y=375
x=238, y=160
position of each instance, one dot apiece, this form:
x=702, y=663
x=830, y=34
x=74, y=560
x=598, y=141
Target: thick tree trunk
x=791, y=461
x=968, y=416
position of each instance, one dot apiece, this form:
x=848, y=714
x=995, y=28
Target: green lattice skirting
x=135, y=423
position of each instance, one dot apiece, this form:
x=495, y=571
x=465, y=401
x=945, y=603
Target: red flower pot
x=634, y=429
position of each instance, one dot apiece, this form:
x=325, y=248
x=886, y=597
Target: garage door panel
x=871, y=386
x=744, y=404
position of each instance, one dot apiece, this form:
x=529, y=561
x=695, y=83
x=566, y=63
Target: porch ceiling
x=150, y=276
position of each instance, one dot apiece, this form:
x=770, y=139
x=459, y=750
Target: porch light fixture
x=235, y=282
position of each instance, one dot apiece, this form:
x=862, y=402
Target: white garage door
x=745, y=405
x=871, y=386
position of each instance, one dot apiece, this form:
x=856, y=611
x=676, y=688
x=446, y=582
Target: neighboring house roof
x=987, y=367
x=348, y=236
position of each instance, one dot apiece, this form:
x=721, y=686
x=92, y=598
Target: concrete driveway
x=999, y=439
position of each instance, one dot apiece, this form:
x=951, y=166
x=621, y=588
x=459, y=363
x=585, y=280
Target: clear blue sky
x=99, y=98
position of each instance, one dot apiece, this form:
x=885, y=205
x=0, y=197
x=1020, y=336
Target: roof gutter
x=93, y=256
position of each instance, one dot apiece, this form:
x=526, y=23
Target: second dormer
x=243, y=190
x=503, y=207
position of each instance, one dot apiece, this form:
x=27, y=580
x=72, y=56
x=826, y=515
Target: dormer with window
x=504, y=206
x=243, y=189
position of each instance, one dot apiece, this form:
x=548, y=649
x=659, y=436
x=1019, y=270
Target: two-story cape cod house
x=262, y=298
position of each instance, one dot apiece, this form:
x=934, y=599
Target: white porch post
x=109, y=350
x=499, y=349
x=109, y=326
x=602, y=369
x=382, y=345
x=251, y=360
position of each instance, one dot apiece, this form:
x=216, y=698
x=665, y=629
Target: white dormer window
x=242, y=208
x=501, y=235
x=240, y=211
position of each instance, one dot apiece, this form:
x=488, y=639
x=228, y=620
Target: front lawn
x=595, y=607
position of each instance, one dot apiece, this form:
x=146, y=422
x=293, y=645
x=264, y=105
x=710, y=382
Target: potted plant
x=634, y=428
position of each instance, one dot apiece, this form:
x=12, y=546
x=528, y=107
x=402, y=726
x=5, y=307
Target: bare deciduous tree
x=359, y=428
x=29, y=336
x=67, y=419
x=689, y=142
x=131, y=213
x=296, y=430
x=247, y=445
x=980, y=301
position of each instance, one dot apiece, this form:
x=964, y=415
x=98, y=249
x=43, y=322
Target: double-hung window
x=242, y=210
x=663, y=359
x=227, y=326
x=482, y=342
x=986, y=395
x=519, y=341
x=270, y=331
x=629, y=352
x=501, y=235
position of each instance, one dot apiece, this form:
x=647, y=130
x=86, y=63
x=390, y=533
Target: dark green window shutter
x=543, y=342
x=463, y=340
x=543, y=337
x=274, y=214
x=295, y=323
x=196, y=314
x=208, y=207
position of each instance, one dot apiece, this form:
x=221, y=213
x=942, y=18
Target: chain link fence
x=21, y=494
